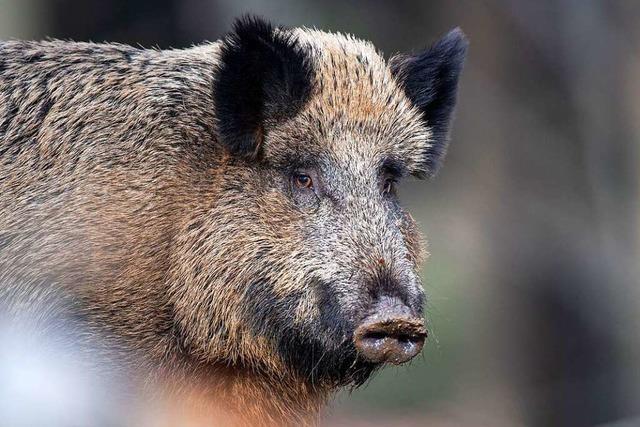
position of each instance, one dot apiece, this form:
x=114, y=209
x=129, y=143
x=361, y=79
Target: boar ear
x=262, y=77
x=430, y=81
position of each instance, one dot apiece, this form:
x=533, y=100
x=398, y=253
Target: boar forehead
x=357, y=112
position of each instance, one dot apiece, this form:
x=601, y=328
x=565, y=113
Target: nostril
x=405, y=338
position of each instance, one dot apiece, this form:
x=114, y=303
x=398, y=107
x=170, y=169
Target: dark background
x=533, y=222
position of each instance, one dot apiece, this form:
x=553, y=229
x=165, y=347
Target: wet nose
x=391, y=334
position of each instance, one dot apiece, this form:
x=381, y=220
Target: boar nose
x=391, y=334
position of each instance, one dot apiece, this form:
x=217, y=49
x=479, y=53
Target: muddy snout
x=391, y=334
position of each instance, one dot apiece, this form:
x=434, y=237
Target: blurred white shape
x=44, y=384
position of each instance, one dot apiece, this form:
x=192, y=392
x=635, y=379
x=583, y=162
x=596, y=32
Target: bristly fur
x=149, y=197
x=430, y=79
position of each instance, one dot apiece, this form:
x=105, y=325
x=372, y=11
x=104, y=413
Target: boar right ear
x=262, y=77
x=430, y=81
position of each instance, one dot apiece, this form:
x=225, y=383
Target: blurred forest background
x=533, y=223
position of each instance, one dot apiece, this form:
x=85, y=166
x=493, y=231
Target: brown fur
x=119, y=207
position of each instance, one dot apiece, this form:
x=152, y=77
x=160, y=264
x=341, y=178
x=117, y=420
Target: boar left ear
x=430, y=81
x=263, y=76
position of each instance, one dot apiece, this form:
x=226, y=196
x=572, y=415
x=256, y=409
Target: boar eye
x=304, y=189
x=302, y=180
x=389, y=185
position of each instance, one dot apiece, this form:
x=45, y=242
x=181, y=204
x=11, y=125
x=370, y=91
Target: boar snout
x=391, y=334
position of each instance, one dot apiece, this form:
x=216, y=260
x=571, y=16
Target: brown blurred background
x=533, y=223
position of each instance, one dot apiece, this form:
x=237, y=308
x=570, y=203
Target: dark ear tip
x=248, y=23
x=455, y=42
x=457, y=34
